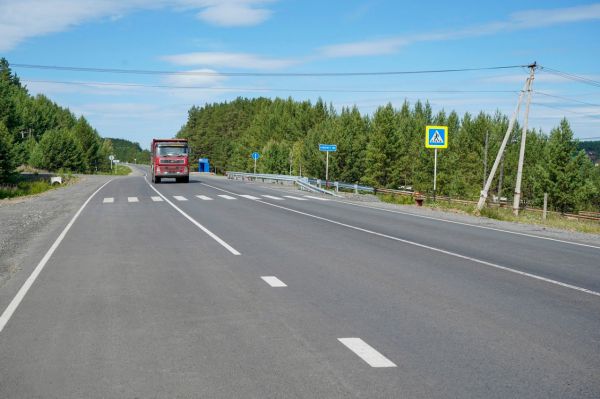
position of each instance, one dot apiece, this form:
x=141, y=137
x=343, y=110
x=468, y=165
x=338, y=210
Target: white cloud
x=517, y=21
x=229, y=60
x=235, y=12
x=195, y=77
x=24, y=19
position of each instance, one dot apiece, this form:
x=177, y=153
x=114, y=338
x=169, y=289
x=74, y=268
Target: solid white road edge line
x=443, y=251
x=273, y=281
x=14, y=304
x=366, y=352
x=469, y=224
x=188, y=217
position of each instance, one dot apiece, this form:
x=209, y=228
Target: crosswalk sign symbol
x=436, y=137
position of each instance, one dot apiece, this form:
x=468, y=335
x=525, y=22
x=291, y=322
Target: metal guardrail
x=314, y=185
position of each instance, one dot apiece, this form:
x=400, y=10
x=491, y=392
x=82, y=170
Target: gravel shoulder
x=374, y=202
x=31, y=224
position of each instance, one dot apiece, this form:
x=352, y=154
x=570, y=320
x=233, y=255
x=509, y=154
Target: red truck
x=170, y=158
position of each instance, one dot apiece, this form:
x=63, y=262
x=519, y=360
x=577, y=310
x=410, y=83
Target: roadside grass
x=24, y=188
x=505, y=214
x=118, y=170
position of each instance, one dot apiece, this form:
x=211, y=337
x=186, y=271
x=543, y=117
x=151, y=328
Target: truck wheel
x=156, y=179
x=185, y=179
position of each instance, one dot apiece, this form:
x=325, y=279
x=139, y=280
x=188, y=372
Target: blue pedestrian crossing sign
x=255, y=155
x=436, y=136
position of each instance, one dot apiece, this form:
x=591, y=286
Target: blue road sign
x=328, y=147
x=436, y=137
x=255, y=155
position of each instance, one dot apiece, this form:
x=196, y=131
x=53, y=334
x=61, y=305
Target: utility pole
x=501, y=178
x=511, y=124
x=517, y=197
x=485, y=155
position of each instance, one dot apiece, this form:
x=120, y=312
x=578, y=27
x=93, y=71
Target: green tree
x=7, y=156
x=58, y=149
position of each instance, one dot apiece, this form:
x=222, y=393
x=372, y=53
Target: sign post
x=436, y=137
x=327, y=148
x=112, y=158
x=255, y=156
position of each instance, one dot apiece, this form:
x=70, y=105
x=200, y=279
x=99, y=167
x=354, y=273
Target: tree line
x=36, y=131
x=386, y=149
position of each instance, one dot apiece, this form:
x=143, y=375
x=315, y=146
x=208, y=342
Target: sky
x=214, y=39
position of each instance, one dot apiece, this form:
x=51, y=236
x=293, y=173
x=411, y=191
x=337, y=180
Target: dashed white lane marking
x=188, y=217
x=133, y=199
x=14, y=304
x=108, y=200
x=366, y=352
x=229, y=197
x=317, y=198
x=180, y=198
x=273, y=281
x=156, y=199
x=249, y=196
x=428, y=247
x=295, y=198
x=273, y=197
x=204, y=197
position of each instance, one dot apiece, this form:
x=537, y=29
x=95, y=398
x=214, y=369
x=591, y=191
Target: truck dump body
x=170, y=159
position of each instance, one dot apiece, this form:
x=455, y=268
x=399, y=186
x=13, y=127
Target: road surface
x=224, y=289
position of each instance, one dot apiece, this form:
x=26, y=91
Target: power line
x=271, y=74
x=595, y=116
x=208, y=88
x=571, y=76
x=567, y=98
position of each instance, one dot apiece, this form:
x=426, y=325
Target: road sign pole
x=254, y=165
x=434, y=172
x=327, y=170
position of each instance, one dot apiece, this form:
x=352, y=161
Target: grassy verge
x=505, y=214
x=118, y=170
x=24, y=188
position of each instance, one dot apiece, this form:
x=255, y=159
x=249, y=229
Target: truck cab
x=170, y=159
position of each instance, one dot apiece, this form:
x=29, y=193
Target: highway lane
x=571, y=264
x=122, y=318
x=356, y=277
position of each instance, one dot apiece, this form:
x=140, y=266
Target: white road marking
x=295, y=198
x=273, y=281
x=273, y=197
x=108, y=200
x=132, y=199
x=366, y=352
x=434, y=249
x=156, y=199
x=249, y=196
x=471, y=225
x=317, y=198
x=188, y=217
x=204, y=197
x=180, y=198
x=228, y=197
x=14, y=304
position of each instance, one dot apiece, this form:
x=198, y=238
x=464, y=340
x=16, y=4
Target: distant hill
x=128, y=151
x=592, y=149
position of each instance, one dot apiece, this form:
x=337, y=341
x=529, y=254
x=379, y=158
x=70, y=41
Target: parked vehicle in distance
x=170, y=159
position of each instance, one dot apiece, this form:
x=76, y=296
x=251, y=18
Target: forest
x=386, y=149
x=37, y=132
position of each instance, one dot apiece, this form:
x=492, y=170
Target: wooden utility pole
x=511, y=124
x=517, y=197
x=485, y=155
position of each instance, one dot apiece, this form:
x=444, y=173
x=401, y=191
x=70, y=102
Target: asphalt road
x=164, y=297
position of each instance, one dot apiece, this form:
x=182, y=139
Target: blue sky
x=270, y=36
